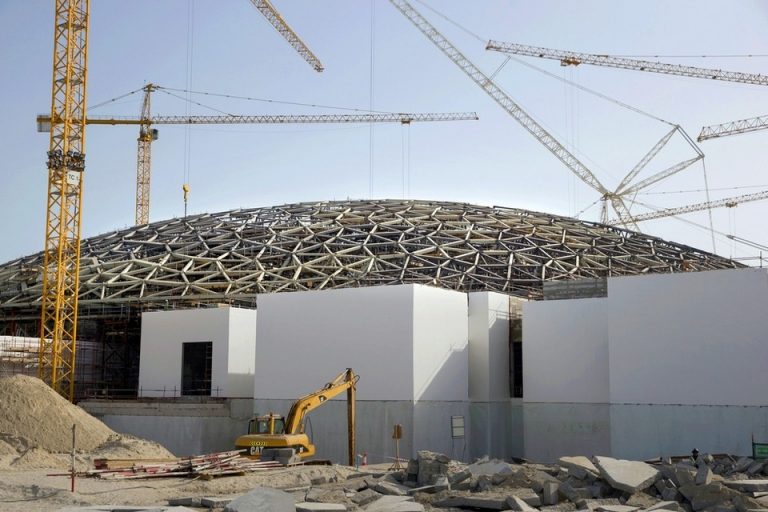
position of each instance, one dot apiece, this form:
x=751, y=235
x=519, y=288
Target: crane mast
x=752, y=124
x=144, y=158
x=569, y=58
x=66, y=163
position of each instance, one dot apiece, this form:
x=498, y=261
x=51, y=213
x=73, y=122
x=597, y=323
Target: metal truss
x=233, y=256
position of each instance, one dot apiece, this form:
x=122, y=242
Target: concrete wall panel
x=488, y=346
x=440, y=347
x=307, y=338
x=693, y=338
x=565, y=351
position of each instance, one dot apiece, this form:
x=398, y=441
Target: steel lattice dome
x=233, y=256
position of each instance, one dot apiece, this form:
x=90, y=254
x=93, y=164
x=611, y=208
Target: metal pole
x=351, y=417
x=72, y=486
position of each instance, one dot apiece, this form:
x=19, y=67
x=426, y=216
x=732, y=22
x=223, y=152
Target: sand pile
x=124, y=446
x=38, y=414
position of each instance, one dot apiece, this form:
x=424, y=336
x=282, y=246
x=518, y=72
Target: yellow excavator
x=273, y=437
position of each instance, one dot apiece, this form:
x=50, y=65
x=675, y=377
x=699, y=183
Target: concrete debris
x=550, y=495
x=262, y=499
x=748, y=485
x=320, y=507
x=626, y=475
x=703, y=475
x=365, y=497
x=579, y=467
x=429, y=466
x=516, y=503
x=434, y=482
x=395, y=504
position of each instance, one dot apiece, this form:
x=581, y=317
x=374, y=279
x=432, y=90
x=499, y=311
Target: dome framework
x=233, y=256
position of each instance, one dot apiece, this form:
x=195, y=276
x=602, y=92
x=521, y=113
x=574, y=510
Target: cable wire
x=282, y=102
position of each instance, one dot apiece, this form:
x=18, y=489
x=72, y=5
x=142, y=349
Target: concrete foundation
x=183, y=428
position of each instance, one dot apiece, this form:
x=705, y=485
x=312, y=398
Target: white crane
x=616, y=198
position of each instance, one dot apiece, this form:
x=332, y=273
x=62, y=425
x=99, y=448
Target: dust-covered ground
x=35, y=490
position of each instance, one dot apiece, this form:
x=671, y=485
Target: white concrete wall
x=440, y=345
x=565, y=351
x=306, y=338
x=488, y=347
x=241, y=350
x=406, y=342
x=693, y=338
x=163, y=333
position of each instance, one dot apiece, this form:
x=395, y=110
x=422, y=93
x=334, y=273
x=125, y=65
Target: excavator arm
x=294, y=422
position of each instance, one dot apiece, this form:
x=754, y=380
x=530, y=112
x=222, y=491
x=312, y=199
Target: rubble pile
x=599, y=484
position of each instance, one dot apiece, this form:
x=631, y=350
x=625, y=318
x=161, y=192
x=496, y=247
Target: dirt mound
x=123, y=446
x=35, y=412
x=35, y=458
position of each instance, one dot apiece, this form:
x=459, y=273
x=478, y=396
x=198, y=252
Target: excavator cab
x=269, y=424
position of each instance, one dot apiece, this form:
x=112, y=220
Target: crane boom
x=569, y=58
x=277, y=21
x=66, y=163
x=501, y=97
x=752, y=124
x=147, y=134
x=404, y=118
x=728, y=202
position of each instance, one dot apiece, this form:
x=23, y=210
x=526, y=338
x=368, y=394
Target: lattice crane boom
x=147, y=134
x=277, y=21
x=66, y=163
x=498, y=95
x=728, y=202
x=752, y=124
x=569, y=58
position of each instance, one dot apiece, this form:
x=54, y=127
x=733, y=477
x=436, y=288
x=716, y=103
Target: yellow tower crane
x=66, y=165
x=66, y=162
x=149, y=134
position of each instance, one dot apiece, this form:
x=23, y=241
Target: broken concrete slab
x=515, y=503
x=616, y=508
x=626, y=475
x=641, y=500
x=550, y=495
x=755, y=468
x=594, y=504
x=306, y=506
x=524, y=493
x=189, y=501
x=703, y=475
x=574, y=494
x=705, y=496
x=565, y=506
x=490, y=467
x=320, y=495
x=259, y=499
x=481, y=500
x=218, y=501
x=747, y=485
x=665, y=505
x=579, y=467
x=391, y=489
x=394, y=504
x=742, y=465
x=365, y=497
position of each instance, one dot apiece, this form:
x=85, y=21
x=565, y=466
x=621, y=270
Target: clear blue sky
x=491, y=161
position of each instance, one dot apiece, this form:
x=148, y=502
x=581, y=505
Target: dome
x=232, y=256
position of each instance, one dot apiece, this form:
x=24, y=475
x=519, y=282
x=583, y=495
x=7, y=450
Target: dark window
x=516, y=357
x=196, y=368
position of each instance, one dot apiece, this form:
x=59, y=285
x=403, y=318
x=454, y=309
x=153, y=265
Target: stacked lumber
x=206, y=467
